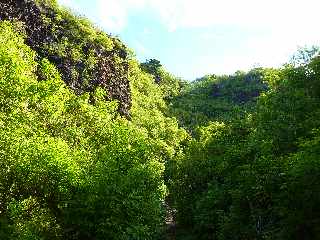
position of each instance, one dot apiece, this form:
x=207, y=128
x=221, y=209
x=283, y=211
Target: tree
x=153, y=67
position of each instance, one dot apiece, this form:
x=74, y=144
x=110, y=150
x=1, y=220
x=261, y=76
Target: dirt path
x=170, y=223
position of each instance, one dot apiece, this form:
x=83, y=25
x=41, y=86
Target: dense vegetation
x=254, y=175
x=93, y=143
x=219, y=98
x=70, y=169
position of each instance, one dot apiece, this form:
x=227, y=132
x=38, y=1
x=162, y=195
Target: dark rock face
x=110, y=67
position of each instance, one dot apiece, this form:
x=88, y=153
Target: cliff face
x=85, y=56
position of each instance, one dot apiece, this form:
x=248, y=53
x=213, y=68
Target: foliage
x=304, y=55
x=257, y=177
x=169, y=84
x=221, y=98
x=72, y=167
x=75, y=170
x=153, y=67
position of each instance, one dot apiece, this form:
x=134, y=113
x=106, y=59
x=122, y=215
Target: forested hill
x=95, y=145
x=218, y=98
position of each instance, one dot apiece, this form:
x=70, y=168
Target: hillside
x=218, y=98
x=96, y=145
x=252, y=169
x=85, y=56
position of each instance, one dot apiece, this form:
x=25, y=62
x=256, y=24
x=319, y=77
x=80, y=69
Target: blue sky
x=192, y=38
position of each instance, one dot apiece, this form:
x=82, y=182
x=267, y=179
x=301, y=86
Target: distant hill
x=218, y=98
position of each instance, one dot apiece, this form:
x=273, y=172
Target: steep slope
x=71, y=166
x=85, y=56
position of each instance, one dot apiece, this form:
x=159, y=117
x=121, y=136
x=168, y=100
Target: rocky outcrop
x=85, y=57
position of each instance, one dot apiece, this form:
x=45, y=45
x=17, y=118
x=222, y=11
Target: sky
x=193, y=38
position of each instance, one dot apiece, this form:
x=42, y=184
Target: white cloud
x=206, y=13
x=146, y=32
x=283, y=24
x=65, y=2
x=288, y=15
x=113, y=14
x=245, y=13
x=141, y=49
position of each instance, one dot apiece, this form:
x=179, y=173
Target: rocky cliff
x=85, y=56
